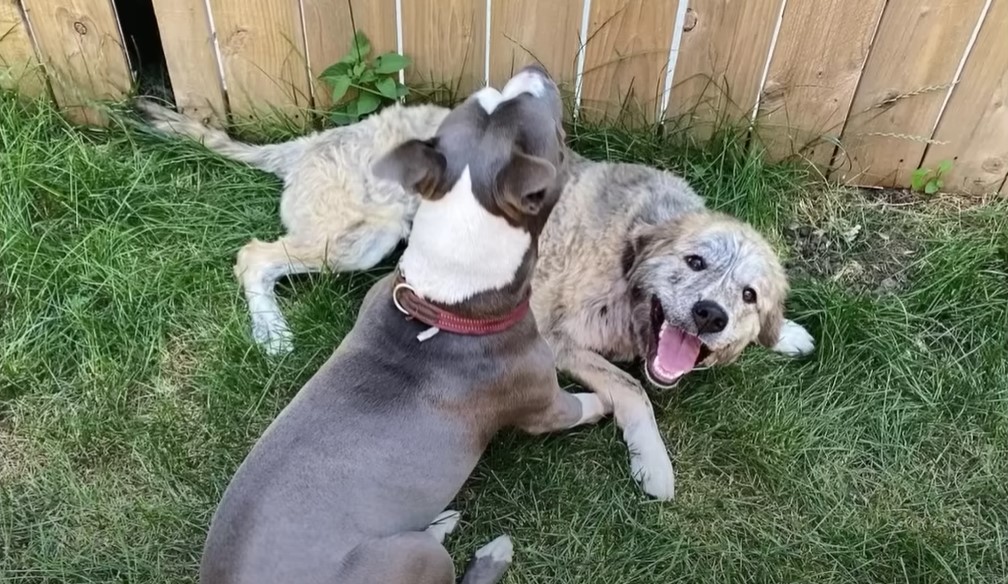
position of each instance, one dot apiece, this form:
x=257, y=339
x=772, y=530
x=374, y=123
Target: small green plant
x=930, y=180
x=361, y=85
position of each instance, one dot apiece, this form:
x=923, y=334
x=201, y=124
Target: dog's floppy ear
x=640, y=237
x=417, y=166
x=771, y=322
x=522, y=185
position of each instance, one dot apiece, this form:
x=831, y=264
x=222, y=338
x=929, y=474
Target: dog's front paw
x=794, y=340
x=655, y=475
x=271, y=333
x=650, y=465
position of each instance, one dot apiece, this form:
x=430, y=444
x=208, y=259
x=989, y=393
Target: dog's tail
x=275, y=158
x=489, y=563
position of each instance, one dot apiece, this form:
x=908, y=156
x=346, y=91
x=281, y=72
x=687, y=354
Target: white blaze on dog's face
x=709, y=285
x=488, y=180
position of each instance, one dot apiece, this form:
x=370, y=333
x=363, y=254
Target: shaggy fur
x=613, y=251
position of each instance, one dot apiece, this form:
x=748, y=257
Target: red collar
x=411, y=304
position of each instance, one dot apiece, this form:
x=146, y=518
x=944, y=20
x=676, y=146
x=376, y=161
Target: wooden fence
x=868, y=90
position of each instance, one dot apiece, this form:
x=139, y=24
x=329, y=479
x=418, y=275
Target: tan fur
x=588, y=307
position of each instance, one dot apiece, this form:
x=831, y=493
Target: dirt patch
x=861, y=238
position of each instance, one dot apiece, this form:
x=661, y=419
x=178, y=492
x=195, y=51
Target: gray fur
x=345, y=484
x=592, y=308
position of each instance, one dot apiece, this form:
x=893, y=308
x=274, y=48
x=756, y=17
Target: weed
x=930, y=180
x=361, y=85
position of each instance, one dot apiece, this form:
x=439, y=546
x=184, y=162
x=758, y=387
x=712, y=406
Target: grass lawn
x=130, y=389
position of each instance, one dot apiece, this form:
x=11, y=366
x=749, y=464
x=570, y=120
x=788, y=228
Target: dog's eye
x=748, y=295
x=695, y=262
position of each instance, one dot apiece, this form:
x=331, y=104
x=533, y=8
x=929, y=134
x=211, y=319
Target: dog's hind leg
x=403, y=558
x=490, y=562
x=260, y=264
x=443, y=524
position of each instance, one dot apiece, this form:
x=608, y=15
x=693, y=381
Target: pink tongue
x=677, y=352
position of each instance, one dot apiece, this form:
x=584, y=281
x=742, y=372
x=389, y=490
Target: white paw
x=498, y=550
x=794, y=340
x=444, y=524
x=593, y=409
x=271, y=333
x=650, y=465
x=655, y=475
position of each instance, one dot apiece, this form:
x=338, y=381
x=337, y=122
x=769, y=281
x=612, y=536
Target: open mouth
x=674, y=352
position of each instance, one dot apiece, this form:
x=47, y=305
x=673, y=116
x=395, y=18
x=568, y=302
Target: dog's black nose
x=709, y=317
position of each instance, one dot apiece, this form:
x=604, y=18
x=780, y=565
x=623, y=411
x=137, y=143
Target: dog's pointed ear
x=417, y=166
x=522, y=185
x=771, y=322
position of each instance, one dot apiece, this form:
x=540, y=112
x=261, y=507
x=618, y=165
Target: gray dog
x=348, y=485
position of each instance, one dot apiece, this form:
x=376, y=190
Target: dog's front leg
x=794, y=340
x=625, y=397
x=565, y=411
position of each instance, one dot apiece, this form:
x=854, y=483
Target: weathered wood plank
x=81, y=46
x=911, y=66
x=329, y=31
x=973, y=130
x=184, y=27
x=532, y=31
x=262, y=47
x=820, y=51
x=447, y=41
x=722, y=56
x=19, y=68
x=626, y=57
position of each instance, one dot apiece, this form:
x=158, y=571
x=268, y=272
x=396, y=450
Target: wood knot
x=690, y=22
x=80, y=27
x=773, y=89
x=993, y=165
x=236, y=40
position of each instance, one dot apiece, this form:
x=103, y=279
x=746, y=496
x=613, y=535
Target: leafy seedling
x=361, y=85
x=930, y=180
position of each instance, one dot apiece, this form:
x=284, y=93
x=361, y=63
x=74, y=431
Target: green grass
x=130, y=390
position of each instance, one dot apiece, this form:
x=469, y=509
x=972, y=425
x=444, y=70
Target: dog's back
x=375, y=426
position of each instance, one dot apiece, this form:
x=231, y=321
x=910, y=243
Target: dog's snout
x=709, y=317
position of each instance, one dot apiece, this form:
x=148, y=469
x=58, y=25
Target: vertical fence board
x=626, y=56
x=19, y=69
x=725, y=46
x=447, y=41
x=329, y=30
x=262, y=46
x=821, y=48
x=909, y=71
x=532, y=31
x=974, y=127
x=192, y=61
x=80, y=45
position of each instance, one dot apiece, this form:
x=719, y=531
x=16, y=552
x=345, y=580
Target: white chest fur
x=458, y=249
